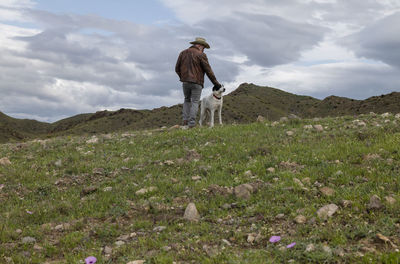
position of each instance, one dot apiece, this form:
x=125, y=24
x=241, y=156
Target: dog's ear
x=217, y=87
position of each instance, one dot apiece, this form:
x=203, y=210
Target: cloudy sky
x=65, y=57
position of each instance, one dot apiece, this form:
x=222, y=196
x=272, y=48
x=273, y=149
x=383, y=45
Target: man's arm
x=178, y=65
x=207, y=69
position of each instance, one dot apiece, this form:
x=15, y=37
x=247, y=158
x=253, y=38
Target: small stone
x=346, y=203
x=250, y=238
x=88, y=190
x=93, y=140
x=390, y=200
x=98, y=171
x=18, y=231
x=248, y=173
x=375, y=203
x=260, y=119
x=28, y=240
x=196, y=178
x=136, y=262
x=327, y=211
x=191, y=213
x=319, y=128
x=5, y=161
x=280, y=216
x=119, y=243
x=327, y=191
x=289, y=133
x=307, y=181
x=300, y=219
x=173, y=180
x=227, y=206
x=298, y=182
x=310, y=248
x=327, y=249
x=271, y=170
x=107, y=189
x=308, y=127
x=226, y=242
x=107, y=250
x=284, y=119
x=59, y=228
x=339, y=252
x=37, y=247
x=159, y=228
x=146, y=190
x=397, y=116
x=243, y=191
x=385, y=115
x=166, y=248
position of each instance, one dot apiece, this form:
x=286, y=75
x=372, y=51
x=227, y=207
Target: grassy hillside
x=19, y=129
x=121, y=197
x=243, y=105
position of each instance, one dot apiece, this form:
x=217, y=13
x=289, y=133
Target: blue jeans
x=192, y=92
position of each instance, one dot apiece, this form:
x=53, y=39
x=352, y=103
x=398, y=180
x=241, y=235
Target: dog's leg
x=212, y=118
x=220, y=114
x=202, y=113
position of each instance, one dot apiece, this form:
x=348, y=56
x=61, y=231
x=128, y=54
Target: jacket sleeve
x=178, y=65
x=207, y=69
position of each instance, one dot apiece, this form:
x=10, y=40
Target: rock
x=98, y=171
x=284, y=119
x=275, y=123
x=327, y=191
x=93, y=140
x=397, y=116
x=309, y=127
x=339, y=252
x=191, y=213
x=59, y=228
x=196, y=178
x=319, y=128
x=293, y=116
x=385, y=115
x=136, y=262
x=298, y=182
x=260, y=119
x=159, y=228
x=280, y=216
x=107, y=189
x=300, y=219
x=346, y=203
x=37, y=247
x=226, y=242
x=88, y=190
x=327, y=211
x=390, y=200
x=375, y=203
x=5, y=161
x=243, y=191
x=310, y=248
x=119, y=243
x=18, y=231
x=271, y=170
x=107, y=250
x=146, y=190
x=250, y=238
x=28, y=240
x=327, y=249
x=289, y=133
x=248, y=173
x=166, y=248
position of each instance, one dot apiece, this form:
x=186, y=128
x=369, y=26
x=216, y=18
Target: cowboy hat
x=201, y=41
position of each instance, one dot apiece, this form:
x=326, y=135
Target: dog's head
x=218, y=90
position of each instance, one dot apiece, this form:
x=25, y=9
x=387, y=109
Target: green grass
x=51, y=179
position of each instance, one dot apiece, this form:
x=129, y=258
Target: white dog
x=211, y=103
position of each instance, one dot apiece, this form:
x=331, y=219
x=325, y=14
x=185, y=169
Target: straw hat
x=201, y=41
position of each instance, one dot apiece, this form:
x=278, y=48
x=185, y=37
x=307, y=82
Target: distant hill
x=241, y=106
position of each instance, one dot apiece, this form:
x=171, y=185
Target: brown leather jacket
x=191, y=66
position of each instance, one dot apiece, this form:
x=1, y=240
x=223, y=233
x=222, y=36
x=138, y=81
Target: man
x=191, y=65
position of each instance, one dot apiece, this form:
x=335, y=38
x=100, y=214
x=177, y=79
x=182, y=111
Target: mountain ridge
x=243, y=105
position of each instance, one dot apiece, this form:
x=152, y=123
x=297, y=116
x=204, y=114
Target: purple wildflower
x=90, y=260
x=274, y=239
x=291, y=245
x=29, y=212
